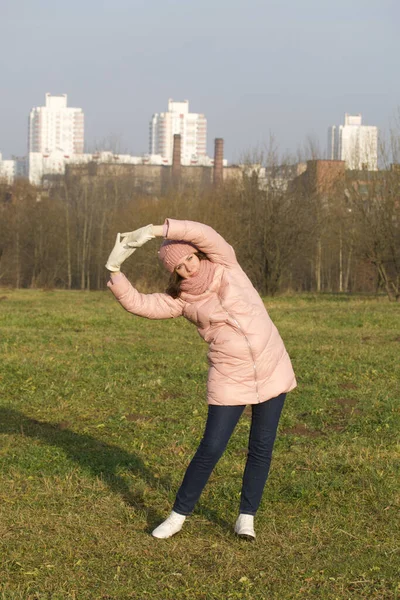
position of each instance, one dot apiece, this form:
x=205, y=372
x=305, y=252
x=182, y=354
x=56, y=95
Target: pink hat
x=171, y=252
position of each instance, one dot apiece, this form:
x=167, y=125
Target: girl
x=248, y=362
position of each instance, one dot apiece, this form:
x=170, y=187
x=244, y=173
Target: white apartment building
x=355, y=143
x=13, y=168
x=192, y=128
x=7, y=170
x=54, y=163
x=56, y=127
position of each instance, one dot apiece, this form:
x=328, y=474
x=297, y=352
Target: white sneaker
x=170, y=526
x=244, y=527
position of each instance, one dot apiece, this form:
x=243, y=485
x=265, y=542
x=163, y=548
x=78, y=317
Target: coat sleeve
x=204, y=237
x=151, y=306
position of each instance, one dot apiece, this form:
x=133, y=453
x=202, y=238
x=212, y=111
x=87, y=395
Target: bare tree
x=376, y=206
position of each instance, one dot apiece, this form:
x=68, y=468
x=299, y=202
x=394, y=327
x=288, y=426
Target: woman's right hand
x=119, y=254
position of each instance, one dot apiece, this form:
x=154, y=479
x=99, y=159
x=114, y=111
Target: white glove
x=137, y=238
x=119, y=253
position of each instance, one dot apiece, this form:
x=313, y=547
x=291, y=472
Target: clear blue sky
x=290, y=67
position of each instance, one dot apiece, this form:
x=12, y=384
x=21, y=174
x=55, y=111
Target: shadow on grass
x=99, y=458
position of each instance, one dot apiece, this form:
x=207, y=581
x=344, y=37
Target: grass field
x=101, y=411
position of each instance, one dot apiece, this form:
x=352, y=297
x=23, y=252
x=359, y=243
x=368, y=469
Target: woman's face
x=188, y=266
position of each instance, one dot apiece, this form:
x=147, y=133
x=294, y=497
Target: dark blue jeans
x=221, y=422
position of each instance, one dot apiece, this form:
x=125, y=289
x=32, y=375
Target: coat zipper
x=249, y=346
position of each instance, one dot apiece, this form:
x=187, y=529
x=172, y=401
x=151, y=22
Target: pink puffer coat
x=248, y=360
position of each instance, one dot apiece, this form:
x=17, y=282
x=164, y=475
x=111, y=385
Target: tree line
x=288, y=238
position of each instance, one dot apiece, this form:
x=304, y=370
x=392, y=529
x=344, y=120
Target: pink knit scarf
x=200, y=281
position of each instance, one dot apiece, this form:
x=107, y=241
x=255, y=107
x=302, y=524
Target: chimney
x=176, y=159
x=218, y=161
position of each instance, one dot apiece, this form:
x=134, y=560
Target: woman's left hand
x=137, y=238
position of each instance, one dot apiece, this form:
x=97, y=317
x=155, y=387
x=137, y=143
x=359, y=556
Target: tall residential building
x=354, y=143
x=56, y=127
x=178, y=120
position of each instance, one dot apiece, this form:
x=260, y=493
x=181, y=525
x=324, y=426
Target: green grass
x=101, y=411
